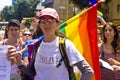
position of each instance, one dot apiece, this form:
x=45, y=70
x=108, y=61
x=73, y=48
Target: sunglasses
x=50, y=21
x=27, y=34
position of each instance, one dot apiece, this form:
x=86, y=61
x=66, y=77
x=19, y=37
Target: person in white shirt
x=48, y=53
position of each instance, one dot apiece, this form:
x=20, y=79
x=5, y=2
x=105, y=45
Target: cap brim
x=14, y=21
x=48, y=15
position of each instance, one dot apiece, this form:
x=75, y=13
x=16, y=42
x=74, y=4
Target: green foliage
x=7, y=13
x=21, y=8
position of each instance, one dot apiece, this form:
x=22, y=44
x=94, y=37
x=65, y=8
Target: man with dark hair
x=13, y=38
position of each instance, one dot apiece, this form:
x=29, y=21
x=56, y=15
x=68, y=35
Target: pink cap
x=49, y=12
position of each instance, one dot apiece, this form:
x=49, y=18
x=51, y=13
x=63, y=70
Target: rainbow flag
x=82, y=31
x=99, y=14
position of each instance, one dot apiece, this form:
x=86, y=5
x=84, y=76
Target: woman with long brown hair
x=108, y=52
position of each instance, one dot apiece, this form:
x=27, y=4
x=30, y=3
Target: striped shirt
x=107, y=74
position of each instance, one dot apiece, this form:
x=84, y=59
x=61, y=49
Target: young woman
x=48, y=54
x=108, y=52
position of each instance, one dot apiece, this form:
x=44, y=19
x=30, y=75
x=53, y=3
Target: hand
x=34, y=22
x=18, y=56
x=11, y=54
x=113, y=61
x=115, y=68
x=22, y=24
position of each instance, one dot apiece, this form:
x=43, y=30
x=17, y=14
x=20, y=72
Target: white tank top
x=14, y=75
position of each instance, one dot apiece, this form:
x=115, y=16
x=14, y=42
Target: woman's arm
x=113, y=62
x=27, y=69
x=76, y=59
x=23, y=66
x=15, y=58
x=86, y=70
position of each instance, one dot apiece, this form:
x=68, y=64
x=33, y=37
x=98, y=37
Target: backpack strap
x=62, y=48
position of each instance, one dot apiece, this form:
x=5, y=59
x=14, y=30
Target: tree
x=7, y=13
x=22, y=8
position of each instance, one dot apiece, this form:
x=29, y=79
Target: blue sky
x=4, y=3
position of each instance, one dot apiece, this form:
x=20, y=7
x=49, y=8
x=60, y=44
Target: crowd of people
x=47, y=54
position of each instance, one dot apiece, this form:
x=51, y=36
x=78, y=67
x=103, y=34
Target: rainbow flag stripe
x=82, y=31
